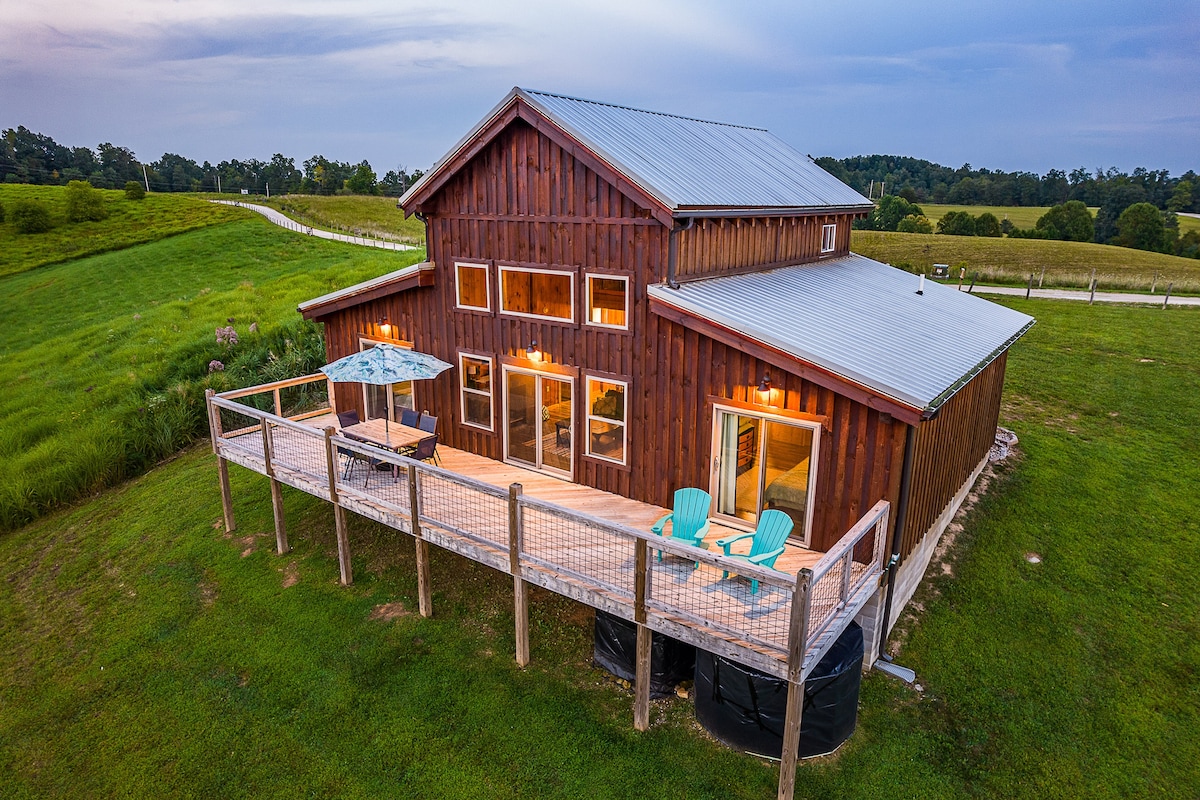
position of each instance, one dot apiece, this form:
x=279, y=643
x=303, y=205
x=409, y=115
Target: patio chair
x=409, y=417
x=766, y=542
x=427, y=423
x=426, y=449
x=347, y=418
x=689, y=519
x=354, y=457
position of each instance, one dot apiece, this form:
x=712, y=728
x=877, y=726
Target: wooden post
x=278, y=406
x=797, y=644
x=1092, y=297
x=971, y=288
x=424, y=592
x=1042, y=277
x=339, y=513
x=962, y=273
x=329, y=393
x=1168, y=294
x=214, y=421
x=1154, y=283
x=641, y=702
x=520, y=587
x=281, y=542
x=1029, y=288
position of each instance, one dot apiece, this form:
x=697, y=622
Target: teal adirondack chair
x=689, y=520
x=766, y=542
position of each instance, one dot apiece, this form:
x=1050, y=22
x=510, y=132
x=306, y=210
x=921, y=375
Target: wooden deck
x=572, y=539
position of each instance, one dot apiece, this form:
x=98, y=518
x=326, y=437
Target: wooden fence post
x=214, y=421
x=281, y=542
x=520, y=587
x=339, y=513
x=1029, y=288
x=641, y=702
x=797, y=645
x=1168, y=294
x=424, y=591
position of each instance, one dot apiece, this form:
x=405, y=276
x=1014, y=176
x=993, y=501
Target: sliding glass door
x=539, y=423
x=764, y=462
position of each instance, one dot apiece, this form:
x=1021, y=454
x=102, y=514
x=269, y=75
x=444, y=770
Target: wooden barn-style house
x=634, y=303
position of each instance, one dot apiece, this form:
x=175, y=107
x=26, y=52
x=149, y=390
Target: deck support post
x=339, y=513
x=214, y=428
x=516, y=539
x=797, y=645
x=641, y=702
x=281, y=542
x=424, y=590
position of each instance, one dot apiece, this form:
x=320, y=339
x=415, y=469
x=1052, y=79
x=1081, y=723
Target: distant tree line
x=28, y=157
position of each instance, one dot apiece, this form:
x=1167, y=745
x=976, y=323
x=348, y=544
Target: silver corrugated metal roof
x=862, y=320
x=687, y=164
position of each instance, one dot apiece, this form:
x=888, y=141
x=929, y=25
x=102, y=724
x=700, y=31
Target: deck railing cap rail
x=268, y=387
x=258, y=413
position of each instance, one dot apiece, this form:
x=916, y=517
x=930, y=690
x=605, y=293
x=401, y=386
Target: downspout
x=424, y=222
x=673, y=250
x=910, y=439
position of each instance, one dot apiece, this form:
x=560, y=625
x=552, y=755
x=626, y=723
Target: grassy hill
x=1067, y=264
x=106, y=357
x=146, y=652
x=377, y=217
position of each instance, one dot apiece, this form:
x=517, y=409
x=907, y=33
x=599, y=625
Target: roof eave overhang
x=869, y=396
x=684, y=212
x=935, y=406
x=409, y=278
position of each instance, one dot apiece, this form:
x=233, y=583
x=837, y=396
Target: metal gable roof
x=862, y=320
x=688, y=165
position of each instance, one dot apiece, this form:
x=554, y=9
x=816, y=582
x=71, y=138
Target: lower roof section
x=859, y=320
x=373, y=289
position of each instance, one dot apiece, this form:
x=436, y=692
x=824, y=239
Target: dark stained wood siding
x=523, y=200
x=950, y=446
x=719, y=246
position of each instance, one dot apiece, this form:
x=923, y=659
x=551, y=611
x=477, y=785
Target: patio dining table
x=393, y=436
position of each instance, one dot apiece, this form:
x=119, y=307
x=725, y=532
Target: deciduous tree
x=84, y=203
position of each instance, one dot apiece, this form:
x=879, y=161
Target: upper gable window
x=471, y=281
x=828, y=238
x=546, y=294
x=608, y=301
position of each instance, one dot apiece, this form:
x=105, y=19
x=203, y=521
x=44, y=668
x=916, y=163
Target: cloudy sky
x=1009, y=85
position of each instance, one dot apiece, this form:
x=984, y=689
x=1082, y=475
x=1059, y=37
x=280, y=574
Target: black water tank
x=615, y=650
x=745, y=708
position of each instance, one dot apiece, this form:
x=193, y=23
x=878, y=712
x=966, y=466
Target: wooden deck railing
x=782, y=630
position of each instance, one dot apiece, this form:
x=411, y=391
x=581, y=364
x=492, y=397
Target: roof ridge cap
x=640, y=110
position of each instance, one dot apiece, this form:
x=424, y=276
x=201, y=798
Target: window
x=828, y=238
x=608, y=301
x=475, y=375
x=472, y=285
x=537, y=293
x=606, y=419
x=386, y=401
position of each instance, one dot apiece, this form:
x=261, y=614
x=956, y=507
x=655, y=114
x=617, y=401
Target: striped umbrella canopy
x=383, y=364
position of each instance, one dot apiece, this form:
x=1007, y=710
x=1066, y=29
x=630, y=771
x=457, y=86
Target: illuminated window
x=475, y=375
x=608, y=301
x=537, y=293
x=606, y=419
x=390, y=399
x=472, y=282
x=828, y=238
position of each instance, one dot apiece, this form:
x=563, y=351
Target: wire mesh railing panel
x=303, y=398
x=578, y=547
x=240, y=430
x=708, y=599
x=458, y=507
x=825, y=597
x=299, y=450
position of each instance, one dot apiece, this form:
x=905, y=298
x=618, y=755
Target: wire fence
x=308, y=230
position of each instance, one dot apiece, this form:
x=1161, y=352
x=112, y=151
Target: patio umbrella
x=384, y=364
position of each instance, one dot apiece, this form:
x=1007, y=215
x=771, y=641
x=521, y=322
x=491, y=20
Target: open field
x=1067, y=264
x=145, y=652
x=129, y=222
x=1021, y=216
x=377, y=217
x=106, y=357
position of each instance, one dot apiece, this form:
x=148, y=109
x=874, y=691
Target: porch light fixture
x=384, y=327
x=532, y=352
x=764, y=388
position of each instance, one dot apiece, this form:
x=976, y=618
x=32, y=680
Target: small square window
x=472, y=286
x=828, y=238
x=606, y=419
x=608, y=301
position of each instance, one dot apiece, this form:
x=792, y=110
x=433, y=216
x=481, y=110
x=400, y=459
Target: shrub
x=30, y=216
x=957, y=223
x=84, y=203
x=986, y=224
x=915, y=223
x=134, y=190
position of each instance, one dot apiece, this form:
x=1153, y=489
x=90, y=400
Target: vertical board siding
x=723, y=245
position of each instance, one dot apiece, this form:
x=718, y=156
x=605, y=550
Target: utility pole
x=268, y=190
x=147, y=180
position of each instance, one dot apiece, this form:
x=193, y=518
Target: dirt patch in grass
x=208, y=593
x=389, y=612
x=291, y=575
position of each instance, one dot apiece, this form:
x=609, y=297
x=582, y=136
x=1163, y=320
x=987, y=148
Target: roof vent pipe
x=673, y=249
x=921, y=285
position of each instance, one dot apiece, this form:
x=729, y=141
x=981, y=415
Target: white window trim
x=829, y=234
x=814, y=463
x=587, y=283
x=500, y=279
x=487, y=277
x=387, y=387
x=464, y=391
x=557, y=473
x=624, y=423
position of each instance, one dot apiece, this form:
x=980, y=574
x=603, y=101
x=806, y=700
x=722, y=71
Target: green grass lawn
x=377, y=217
x=105, y=358
x=129, y=222
x=1067, y=264
x=1021, y=216
x=144, y=652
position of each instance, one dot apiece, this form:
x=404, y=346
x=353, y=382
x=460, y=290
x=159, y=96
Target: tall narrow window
x=537, y=293
x=828, y=238
x=608, y=301
x=476, y=378
x=472, y=286
x=389, y=400
x=606, y=419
